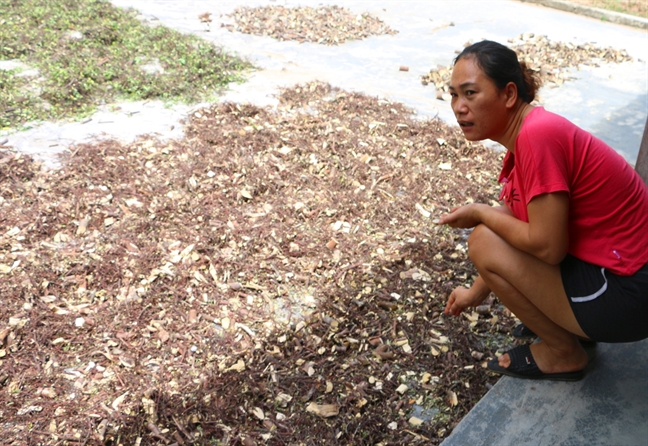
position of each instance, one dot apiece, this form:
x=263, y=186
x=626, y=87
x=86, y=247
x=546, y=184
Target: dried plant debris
x=327, y=25
x=550, y=60
x=274, y=278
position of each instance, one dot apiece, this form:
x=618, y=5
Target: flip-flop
x=521, y=331
x=524, y=366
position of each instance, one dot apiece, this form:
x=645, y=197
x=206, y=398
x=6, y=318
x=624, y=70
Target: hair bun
x=531, y=80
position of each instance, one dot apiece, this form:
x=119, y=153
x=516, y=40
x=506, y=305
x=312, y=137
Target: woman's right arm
x=545, y=236
x=462, y=298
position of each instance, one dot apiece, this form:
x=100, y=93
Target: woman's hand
x=463, y=217
x=460, y=299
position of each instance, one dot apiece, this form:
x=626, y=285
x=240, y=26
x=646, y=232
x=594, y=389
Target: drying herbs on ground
x=550, y=60
x=326, y=25
x=273, y=278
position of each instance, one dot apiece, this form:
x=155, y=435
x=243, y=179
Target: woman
x=568, y=253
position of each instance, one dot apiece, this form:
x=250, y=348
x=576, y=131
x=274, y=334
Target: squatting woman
x=568, y=250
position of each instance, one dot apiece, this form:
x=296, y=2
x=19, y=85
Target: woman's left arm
x=545, y=236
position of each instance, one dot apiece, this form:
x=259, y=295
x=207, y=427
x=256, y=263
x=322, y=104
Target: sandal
x=521, y=331
x=524, y=366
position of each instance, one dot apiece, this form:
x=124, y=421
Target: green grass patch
x=89, y=52
x=638, y=8
x=632, y=7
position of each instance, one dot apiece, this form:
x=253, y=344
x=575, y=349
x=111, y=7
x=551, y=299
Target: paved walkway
x=609, y=407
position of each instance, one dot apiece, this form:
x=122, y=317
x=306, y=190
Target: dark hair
x=501, y=64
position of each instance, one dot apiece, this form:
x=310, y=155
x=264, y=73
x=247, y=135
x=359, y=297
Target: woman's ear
x=511, y=92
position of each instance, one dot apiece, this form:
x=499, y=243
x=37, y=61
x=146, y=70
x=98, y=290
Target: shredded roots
x=273, y=278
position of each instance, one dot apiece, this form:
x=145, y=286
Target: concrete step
x=609, y=407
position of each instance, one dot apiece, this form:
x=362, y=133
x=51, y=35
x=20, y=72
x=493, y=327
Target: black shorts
x=608, y=307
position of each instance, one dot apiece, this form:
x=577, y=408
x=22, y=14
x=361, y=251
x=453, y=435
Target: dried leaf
x=3, y=335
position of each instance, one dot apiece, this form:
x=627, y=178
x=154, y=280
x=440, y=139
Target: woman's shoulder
x=539, y=117
x=547, y=136
x=542, y=127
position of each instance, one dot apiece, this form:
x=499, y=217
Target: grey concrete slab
x=609, y=407
x=611, y=101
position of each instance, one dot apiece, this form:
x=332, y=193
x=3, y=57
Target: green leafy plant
x=88, y=52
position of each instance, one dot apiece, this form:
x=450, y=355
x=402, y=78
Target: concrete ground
x=610, y=406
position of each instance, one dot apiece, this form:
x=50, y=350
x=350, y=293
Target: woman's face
x=478, y=105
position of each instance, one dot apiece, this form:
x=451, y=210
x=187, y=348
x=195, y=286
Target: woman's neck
x=508, y=138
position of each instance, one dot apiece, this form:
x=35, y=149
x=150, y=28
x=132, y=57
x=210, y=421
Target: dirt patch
x=274, y=278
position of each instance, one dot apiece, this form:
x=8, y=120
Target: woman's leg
x=534, y=291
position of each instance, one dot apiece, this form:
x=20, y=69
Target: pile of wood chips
x=273, y=278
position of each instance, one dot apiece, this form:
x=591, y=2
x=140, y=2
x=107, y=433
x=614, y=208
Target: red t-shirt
x=608, y=201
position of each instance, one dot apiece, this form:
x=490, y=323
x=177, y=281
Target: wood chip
x=323, y=410
x=452, y=398
x=117, y=401
x=258, y=412
x=238, y=367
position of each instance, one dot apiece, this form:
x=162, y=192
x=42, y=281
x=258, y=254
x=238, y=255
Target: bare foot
x=550, y=360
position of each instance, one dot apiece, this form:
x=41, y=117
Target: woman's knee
x=481, y=242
